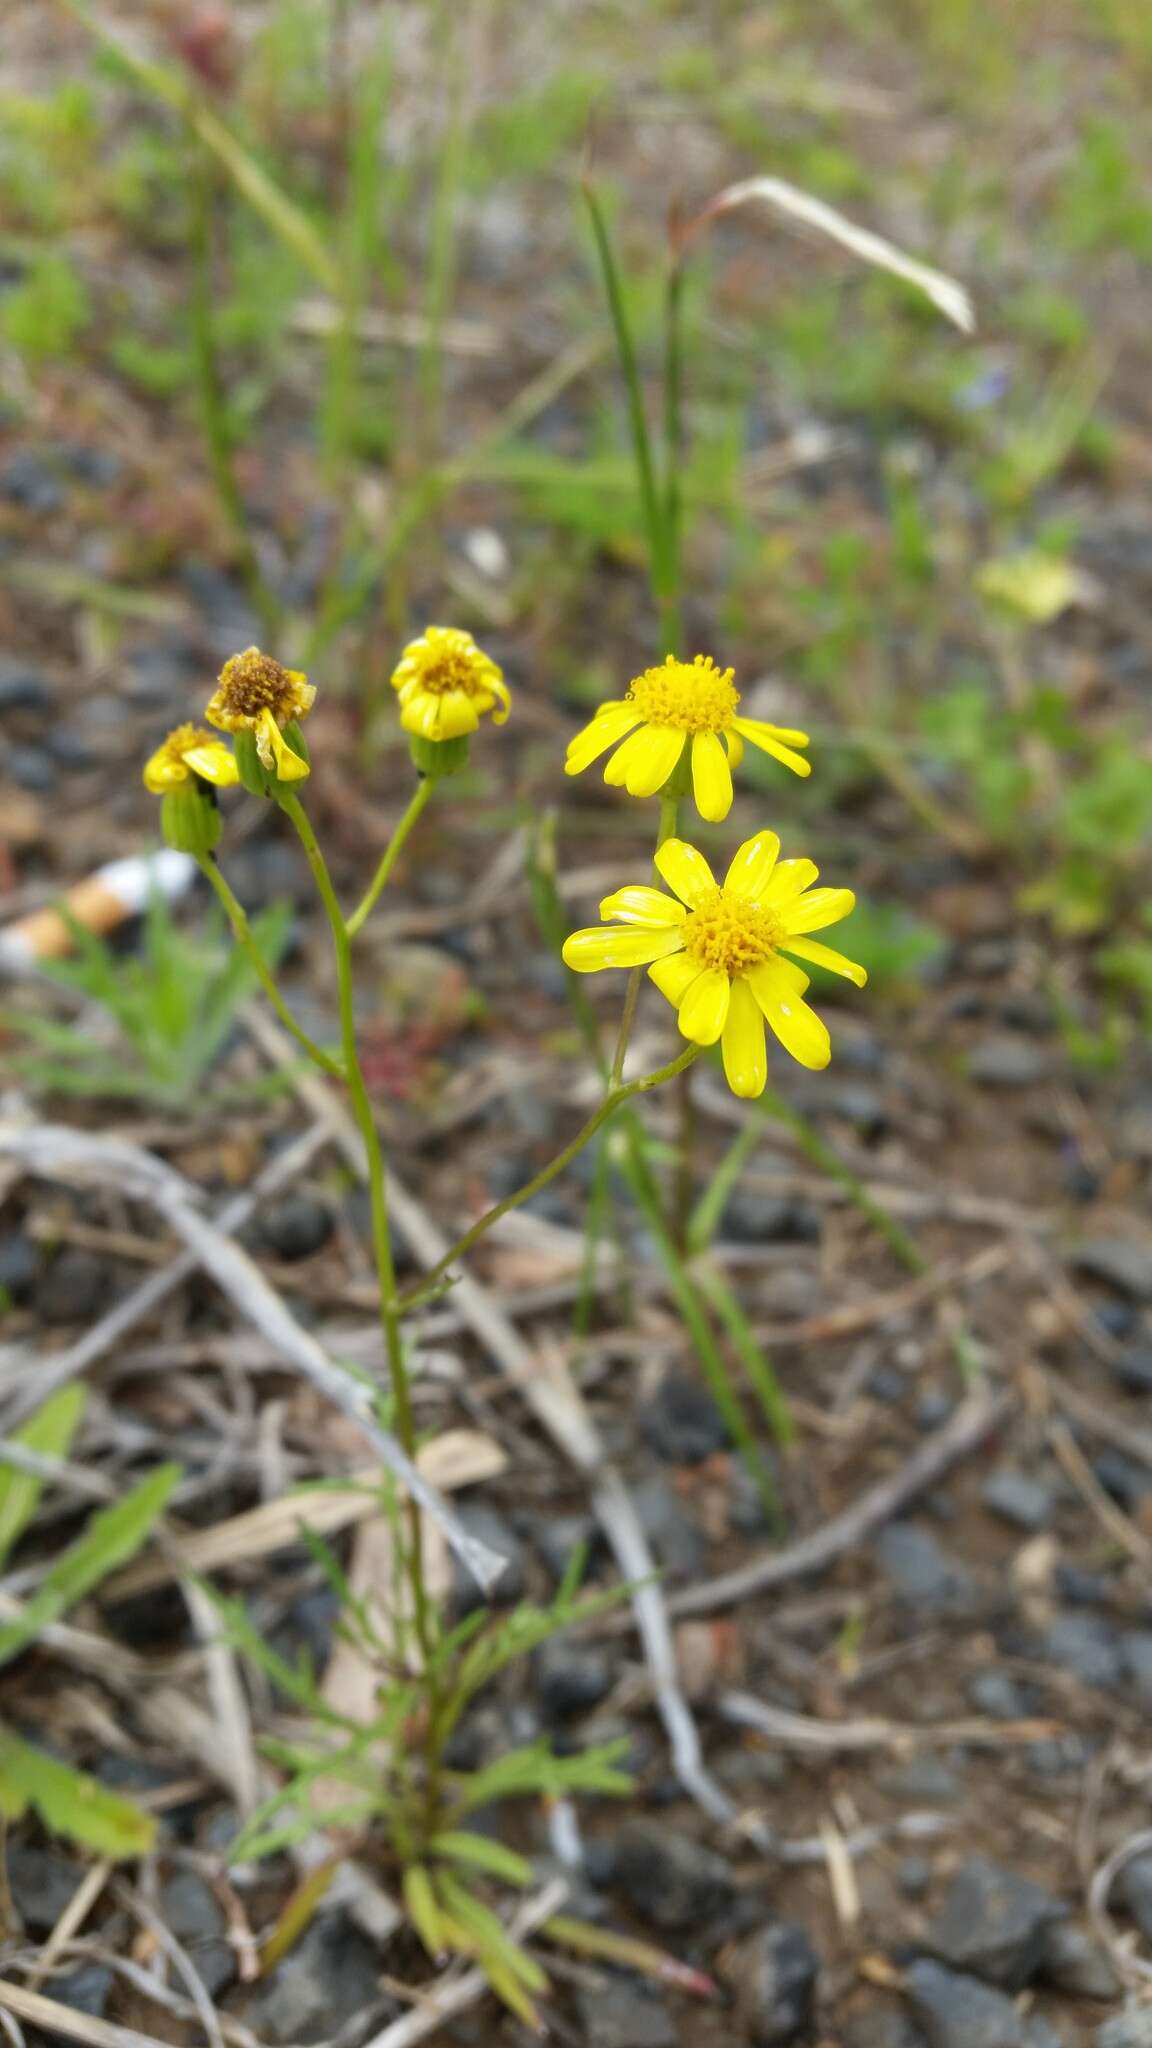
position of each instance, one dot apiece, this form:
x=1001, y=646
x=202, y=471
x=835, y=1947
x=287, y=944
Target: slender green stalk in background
x=661, y=562
x=361, y=1105
x=242, y=933
x=204, y=192
x=392, y=852
x=611, y=1103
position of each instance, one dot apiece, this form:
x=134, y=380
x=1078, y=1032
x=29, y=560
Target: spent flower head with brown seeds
x=257, y=695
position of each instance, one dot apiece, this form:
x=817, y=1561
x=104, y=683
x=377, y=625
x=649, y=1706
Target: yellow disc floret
x=691, y=696
x=258, y=695
x=733, y=936
x=677, y=705
x=445, y=684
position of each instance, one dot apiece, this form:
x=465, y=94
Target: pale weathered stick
x=39, y=1377
x=973, y=1421
x=60, y=1153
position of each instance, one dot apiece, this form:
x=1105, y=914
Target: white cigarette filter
x=103, y=901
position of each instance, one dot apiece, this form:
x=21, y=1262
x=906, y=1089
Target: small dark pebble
x=995, y=1694
x=1001, y=1061
x=682, y=1422
x=625, y=2015
x=41, y=1884
x=1082, y=1588
x=992, y=1923
x=19, y=1266
x=670, y=1880
x=558, y=1537
x=881, y=2026
x=571, y=1678
x=494, y=1530
x=1085, y=1645
x=1120, y=1262
x=957, y=2011
x=1124, y=1478
x=923, y=1781
x=1131, y=2029
x=933, y=1407
x=1133, y=1371
x=1133, y=1891
x=97, y=467
x=87, y=1989
x=1136, y=1657
x=1017, y=1498
x=296, y=1227
x=776, y=1972
x=914, y=1876
x=753, y=1217
x=330, y=1977
x=28, y=481
x=31, y=768
x=1073, y=1961
x=921, y=1571
x=670, y=1529
x=24, y=689
x=863, y=1108
x=74, y=1288
x=193, y=1913
x=887, y=1384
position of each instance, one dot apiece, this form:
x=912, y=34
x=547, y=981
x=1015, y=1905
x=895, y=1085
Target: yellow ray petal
x=161, y=772
x=735, y=746
x=638, y=905
x=711, y=778
x=503, y=699
x=800, y=1031
x=743, y=1045
x=789, y=878
x=674, y=976
x=600, y=946
x=819, y=907
x=610, y=724
x=704, y=1009
x=750, y=869
x=215, y=763
x=275, y=752
x=771, y=740
x=686, y=871
x=646, y=760
x=826, y=956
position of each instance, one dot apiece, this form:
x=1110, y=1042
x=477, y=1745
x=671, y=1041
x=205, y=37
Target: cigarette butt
x=100, y=903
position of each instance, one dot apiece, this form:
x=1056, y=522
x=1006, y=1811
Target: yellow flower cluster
x=719, y=952
x=724, y=954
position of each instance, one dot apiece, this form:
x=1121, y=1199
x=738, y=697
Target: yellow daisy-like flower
x=188, y=752
x=717, y=952
x=446, y=683
x=255, y=694
x=678, y=704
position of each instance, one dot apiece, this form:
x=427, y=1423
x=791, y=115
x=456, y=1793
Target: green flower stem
x=381, y=1232
x=608, y=1107
x=392, y=853
x=242, y=933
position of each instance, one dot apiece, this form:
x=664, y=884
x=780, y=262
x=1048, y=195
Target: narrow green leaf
x=490, y=1934
x=70, y=1802
x=111, y=1538
x=479, y=1850
x=50, y=1431
x=423, y=1911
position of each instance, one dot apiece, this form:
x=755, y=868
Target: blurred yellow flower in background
x=676, y=705
x=186, y=752
x=446, y=683
x=717, y=951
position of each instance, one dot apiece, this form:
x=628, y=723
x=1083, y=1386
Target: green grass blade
x=70, y=1802
x=50, y=1431
x=111, y=1538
